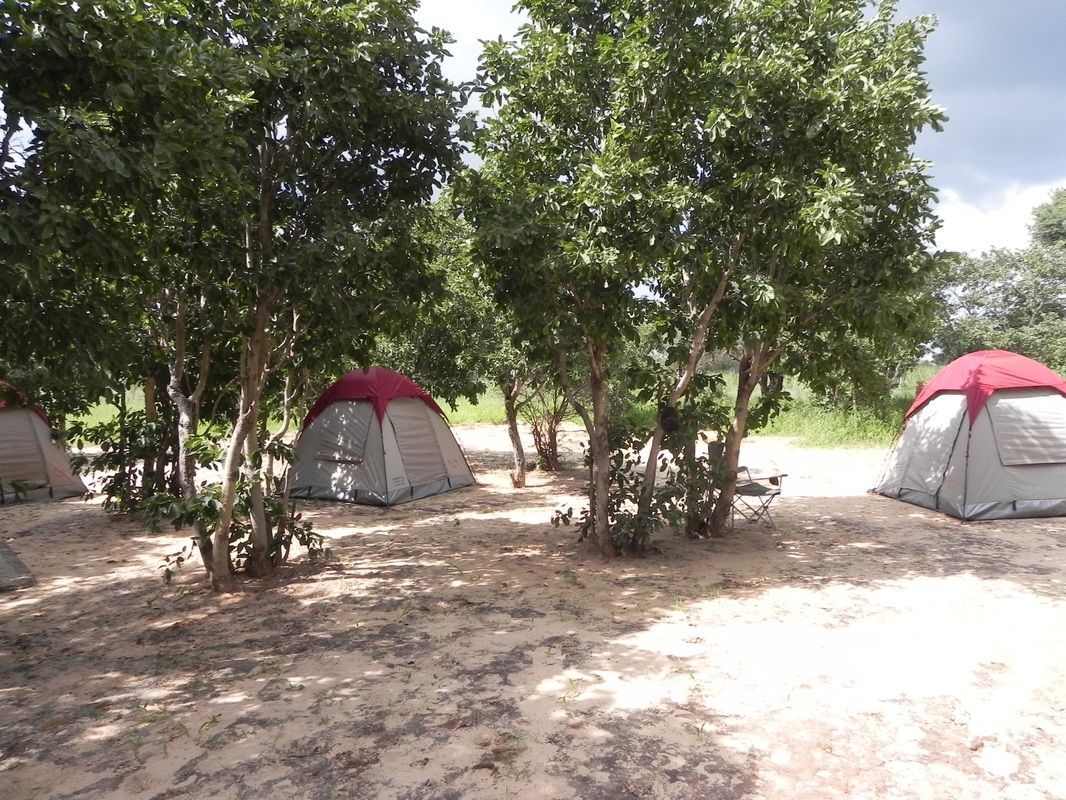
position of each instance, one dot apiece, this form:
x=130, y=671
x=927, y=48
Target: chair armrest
x=757, y=484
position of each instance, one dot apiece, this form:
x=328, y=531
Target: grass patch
x=106, y=412
x=816, y=426
x=820, y=426
x=805, y=419
x=488, y=410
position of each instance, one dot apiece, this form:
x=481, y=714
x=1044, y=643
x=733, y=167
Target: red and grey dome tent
x=32, y=465
x=985, y=439
x=376, y=438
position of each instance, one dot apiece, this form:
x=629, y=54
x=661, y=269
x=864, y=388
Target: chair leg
x=755, y=511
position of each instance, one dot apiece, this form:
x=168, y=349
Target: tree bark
x=697, y=348
x=694, y=501
x=599, y=524
x=510, y=405
x=752, y=366
x=254, y=357
x=151, y=459
x=259, y=563
x=188, y=407
x=599, y=444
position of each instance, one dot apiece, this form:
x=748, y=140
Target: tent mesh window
x=1029, y=429
x=344, y=438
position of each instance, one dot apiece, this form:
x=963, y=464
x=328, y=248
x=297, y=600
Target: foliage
x=733, y=172
x=203, y=511
x=17, y=489
x=1008, y=300
x=686, y=476
x=815, y=425
x=1049, y=221
x=103, y=105
x=629, y=533
x=127, y=443
x=452, y=344
x=225, y=193
x=544, y=407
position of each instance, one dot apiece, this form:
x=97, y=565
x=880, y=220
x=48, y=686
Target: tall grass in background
x=811, y=423
x=817, y=425
x=106, y=412
x=488, y=410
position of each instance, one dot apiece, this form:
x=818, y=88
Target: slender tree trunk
x=254, y=357
x=259, y=563
x=126, y=471
x=293, y=387
x=510, y=405
x=694, y=500
x=221, y=568
x=151, y=416
x=751, y=368
x=188, y=409
x=599, y=524
x=599, y=444
x=697, y=348
x=552, y=445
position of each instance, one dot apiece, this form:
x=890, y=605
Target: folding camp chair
x=754, y=495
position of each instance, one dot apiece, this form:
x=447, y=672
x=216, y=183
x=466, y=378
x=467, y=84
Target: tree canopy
x=1011, y=299
x=1049, y=220
x=227, y=199
x=1008, y=300
x=734, y=171
x=225, y=189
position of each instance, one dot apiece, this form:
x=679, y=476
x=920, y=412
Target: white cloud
x=999, y=220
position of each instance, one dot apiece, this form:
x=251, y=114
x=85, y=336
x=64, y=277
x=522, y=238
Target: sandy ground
x=462, y=647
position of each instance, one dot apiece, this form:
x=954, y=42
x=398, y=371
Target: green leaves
x=1008, y=300
x=749, y=161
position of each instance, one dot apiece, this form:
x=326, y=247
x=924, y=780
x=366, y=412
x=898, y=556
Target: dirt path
x=462, y=647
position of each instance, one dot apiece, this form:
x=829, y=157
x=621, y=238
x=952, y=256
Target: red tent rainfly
x=980, y=374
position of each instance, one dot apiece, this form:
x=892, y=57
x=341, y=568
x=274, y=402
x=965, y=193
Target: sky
x=998, y=67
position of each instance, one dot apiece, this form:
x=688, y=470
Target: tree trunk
x=281, y=556
x=694, y=499
x=553, y=462
x=749, y=373
x=221, y=568
x=123, y=453
x=600, y=446
x=259, y=563
x=151, y=459
x=293, y=386
x=598, y=526
x=510, y=405
x=254, y=357
x=188, y=407
x=697, y=348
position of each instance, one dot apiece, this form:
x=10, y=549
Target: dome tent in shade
x=33, y=464
x=376, y=438
x=984, y=439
